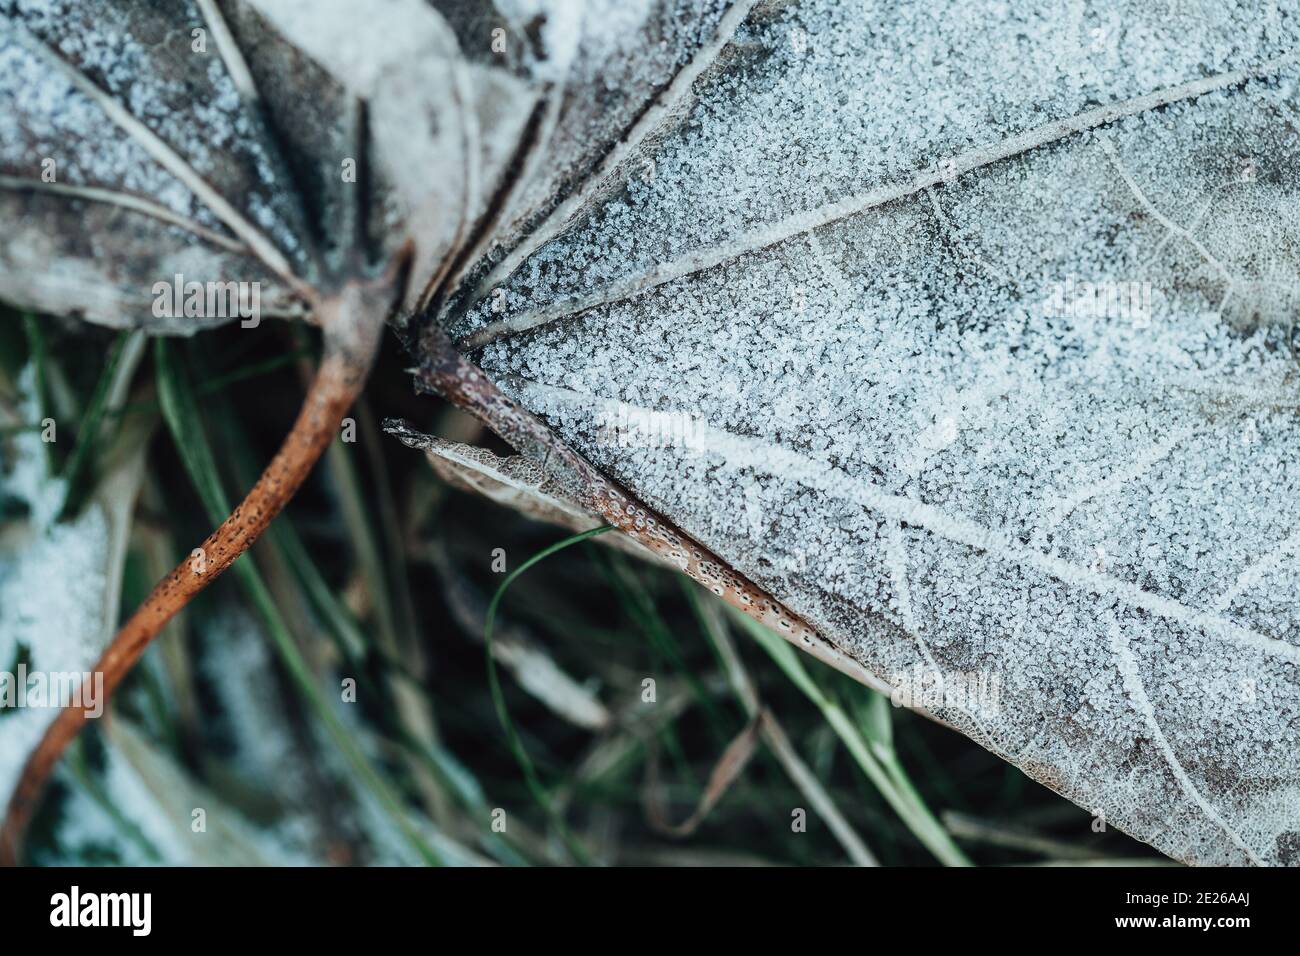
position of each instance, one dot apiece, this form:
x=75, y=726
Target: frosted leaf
x=976, y=323
x=56, y=591
x=247, y=141
x=53, y=590
x=287, y=144
x=514, y=481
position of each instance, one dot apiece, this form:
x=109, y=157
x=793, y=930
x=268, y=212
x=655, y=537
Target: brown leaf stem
x=351, y=334
x=445, y=371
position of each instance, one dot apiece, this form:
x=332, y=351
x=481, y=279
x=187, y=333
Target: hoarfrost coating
x=1099, y=511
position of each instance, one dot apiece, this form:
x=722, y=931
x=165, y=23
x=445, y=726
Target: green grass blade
x=525, y=762
x=88, y=432
x=899, y=793
x=38, y=355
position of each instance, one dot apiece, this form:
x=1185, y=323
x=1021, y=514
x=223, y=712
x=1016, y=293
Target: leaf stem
x=339, y=379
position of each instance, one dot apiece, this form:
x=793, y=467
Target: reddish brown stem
x=350, y=341
x=448, y=373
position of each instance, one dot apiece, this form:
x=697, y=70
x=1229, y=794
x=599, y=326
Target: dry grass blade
x=729, y=767
x=777, y=739
x=533, y=668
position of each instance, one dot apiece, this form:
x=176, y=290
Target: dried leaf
x=967, y=333
x=238, y=141
x=513, y=481
x=162, y=180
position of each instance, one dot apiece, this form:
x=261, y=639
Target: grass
x=446, y=740
x=535, y=786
